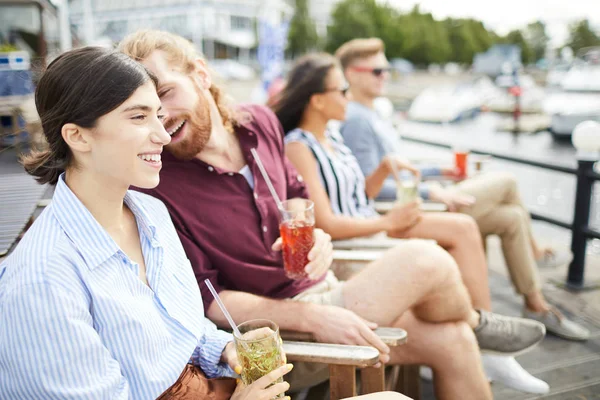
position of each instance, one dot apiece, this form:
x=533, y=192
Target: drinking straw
x=266, y=177
x=222, y=306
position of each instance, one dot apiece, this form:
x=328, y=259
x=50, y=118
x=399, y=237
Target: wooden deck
x=572, y=369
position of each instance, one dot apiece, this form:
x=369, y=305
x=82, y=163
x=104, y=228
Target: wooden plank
x=390, y=336
x=383, y=207
x=383, y=396
x=372, y=379
x=369, y=243
x=356, y=255
x=335, y=354
x=342, y=381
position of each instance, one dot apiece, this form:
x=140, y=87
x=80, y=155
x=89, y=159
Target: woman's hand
x=261, y=389
x=229, y=356
x=403, y=217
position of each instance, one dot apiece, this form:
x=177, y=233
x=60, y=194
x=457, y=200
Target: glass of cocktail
x=259, y=349
x=296, y=229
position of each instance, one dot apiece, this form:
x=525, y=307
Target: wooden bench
x=344, y=360
x=19, y=197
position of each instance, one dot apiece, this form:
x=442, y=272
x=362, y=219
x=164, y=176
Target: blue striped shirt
x=77, y=321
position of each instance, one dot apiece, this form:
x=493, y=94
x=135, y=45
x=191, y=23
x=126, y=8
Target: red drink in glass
x=296, y=229
x=460, y=162
x=297, y=240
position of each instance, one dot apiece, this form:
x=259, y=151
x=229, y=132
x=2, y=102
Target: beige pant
x=499, y=211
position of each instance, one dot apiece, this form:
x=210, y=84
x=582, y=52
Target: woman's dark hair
x=79, y=87
x=306, y=78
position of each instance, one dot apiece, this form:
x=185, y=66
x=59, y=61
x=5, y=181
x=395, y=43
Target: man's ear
x=76, y=137
x=201, y=73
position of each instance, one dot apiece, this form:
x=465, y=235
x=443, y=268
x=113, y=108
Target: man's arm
x=328, y=324
x=288, y=315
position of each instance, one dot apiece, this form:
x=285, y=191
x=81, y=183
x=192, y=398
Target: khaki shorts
x=328, y=292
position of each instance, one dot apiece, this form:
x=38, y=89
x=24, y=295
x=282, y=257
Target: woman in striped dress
x=98, y=300
x=314, y=96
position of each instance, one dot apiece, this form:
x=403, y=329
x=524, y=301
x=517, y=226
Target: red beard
x=198, y=127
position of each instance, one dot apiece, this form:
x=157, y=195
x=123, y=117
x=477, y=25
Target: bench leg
x=342, y=381
x=409, y=381
x=372, y=380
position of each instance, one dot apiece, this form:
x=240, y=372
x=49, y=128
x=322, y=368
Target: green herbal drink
x=406, y=191
x=259, y=349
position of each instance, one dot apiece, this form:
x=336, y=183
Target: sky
x=504, y=15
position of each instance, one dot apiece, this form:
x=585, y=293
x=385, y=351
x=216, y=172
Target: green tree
x=516, y=37
x=352, y=19
x=462, y=41
x=426, y=40
x=581, y=35
x=302, y=36
x=536, y=37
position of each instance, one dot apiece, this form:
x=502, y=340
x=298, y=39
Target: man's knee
x=505, y=180
x=512, y=219
x=427, y=259
x=461, y=340
x=466, y=227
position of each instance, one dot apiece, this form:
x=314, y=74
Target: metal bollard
x=583, y=197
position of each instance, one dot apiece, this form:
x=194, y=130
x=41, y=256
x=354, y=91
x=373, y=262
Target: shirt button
x=251, y=134
x=255, y=195
x=265, y=228
x=300, y=178
x=211, y=169
x=230, y=174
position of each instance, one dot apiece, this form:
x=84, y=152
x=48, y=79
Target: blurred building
x=220, y=28
x=497, y=59
x=29, y=25
x=320, y=12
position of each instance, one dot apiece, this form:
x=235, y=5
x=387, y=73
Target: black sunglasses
x=374, y=71
x=343, y=90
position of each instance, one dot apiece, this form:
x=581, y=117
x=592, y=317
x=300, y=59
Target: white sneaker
x=426, y=373
x=508, y=371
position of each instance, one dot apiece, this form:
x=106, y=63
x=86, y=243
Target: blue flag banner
x=271, y=50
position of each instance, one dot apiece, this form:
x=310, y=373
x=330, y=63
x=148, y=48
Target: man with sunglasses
x=492, y=199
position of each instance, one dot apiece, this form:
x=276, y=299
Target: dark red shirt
x=226, y=227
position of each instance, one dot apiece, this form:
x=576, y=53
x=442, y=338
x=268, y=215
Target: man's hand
x=454, y=201
x=340, y=326
x=403, y=217
x=396, y=163
x=320, y=256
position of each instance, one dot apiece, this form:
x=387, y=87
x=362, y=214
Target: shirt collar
x=91, y=239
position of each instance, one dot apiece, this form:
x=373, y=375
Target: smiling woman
x=99, y=300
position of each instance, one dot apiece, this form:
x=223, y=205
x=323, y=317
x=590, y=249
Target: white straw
x=266, y=177
x=222, y=306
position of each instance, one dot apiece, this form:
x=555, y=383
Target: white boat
x=448, y=103
x=579, y=99
x=531, y=100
